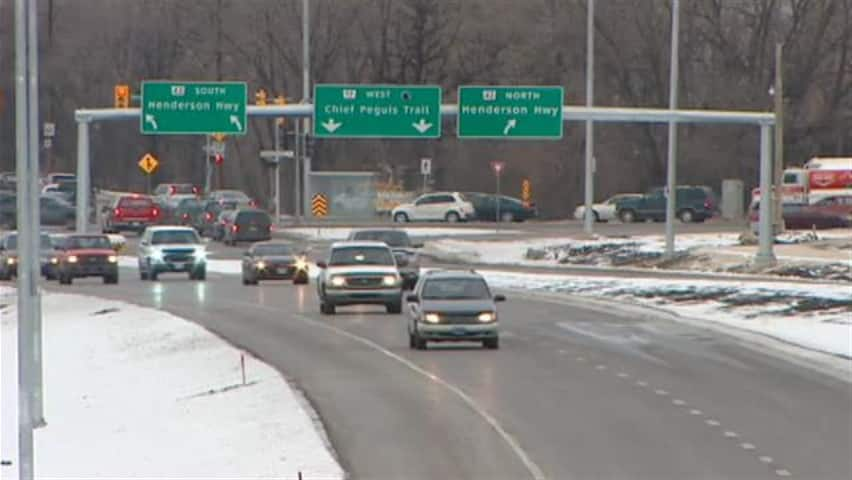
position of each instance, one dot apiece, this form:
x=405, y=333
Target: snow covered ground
x=341, y=233
x=817, y=317
x=133, y=392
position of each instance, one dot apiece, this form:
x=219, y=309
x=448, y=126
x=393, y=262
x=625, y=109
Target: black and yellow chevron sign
x=319, y=205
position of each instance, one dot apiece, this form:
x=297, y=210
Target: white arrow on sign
x=236, y=122
x=331, y=125
x=422, y=125
x=512, y=123
x=150, y=119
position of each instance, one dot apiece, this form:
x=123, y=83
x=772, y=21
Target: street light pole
x=779, y=138
x=306, y=95
x=588, y=217
x=671, y=180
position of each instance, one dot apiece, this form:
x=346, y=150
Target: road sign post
x=319, y=205
x=498, y=171
x=377, y=111
x=510, y=112
x=175, y=108
x=425, y=170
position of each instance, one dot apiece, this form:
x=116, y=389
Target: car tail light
x=155, y=212
x=269, y=228
x=172, y=189
x=195, y=189
x=185, y=216
x=708, y=204
x=208, y=216
x=117, y=212
x=252, y=203
x=235, y=228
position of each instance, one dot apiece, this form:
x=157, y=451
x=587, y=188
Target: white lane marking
x=695, y=411
x=678, y=402
x=782, y=473
x=564, y=352
x=600, y=367
x=766, y=459
x=623, y=375
x=532, y=467
x=747, y=446
x=712, y=423
x=730, y=434
x=661, y=393
x=581, y=359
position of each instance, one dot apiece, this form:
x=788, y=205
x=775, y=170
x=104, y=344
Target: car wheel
x=400, y=218
x=452, y=217
x=395, y=307
x=111, y=279
x=686, y=216
x=627, y=216
x=419, y=342
x=327, y=308
x=5, y=276
x=201, y=274
x=507, y=217
x=66, y=279
x=491, y=343
x=152, y=275
x=143, y=275
x=412, y=341
x=597, y=216
x=300, y=279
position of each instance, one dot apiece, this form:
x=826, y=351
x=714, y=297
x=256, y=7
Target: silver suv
x=437, y=207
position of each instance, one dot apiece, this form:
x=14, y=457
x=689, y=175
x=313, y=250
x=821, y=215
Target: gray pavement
x=573, y=392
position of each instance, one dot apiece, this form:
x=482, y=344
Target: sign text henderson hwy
x=377, y=111
x=193, y=108
x=510, y=112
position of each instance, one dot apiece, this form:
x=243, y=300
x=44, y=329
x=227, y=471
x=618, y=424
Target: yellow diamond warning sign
x=148, y=164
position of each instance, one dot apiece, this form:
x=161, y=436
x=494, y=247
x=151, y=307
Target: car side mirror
x=412, y=298
x=143, y=243
x=499, y=298
x=322, y=265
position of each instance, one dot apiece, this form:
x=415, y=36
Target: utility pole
x=778, y=219
x=671, y=177
x=589, y=217
x=306, y=96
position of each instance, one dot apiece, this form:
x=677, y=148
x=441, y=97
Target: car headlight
x=72, y=259
x=157, y=255
x=301, y=263
x=389, y=280
x=200, y=255
x=338, y=281
x=487, y=317
x=112, y=259
x=10, y=261
x=432, y=318
x=260, y=265
x=54, y=260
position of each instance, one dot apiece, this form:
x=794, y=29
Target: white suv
x=171, y=249
x=443, y=206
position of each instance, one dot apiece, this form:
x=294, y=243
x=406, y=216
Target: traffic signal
x=260, y=97
x=280, y=100
x=122, y=96
x=219, y=137
x=218, y=159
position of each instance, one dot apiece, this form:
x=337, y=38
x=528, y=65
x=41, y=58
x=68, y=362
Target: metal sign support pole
x=765, y=257
x=82, y=174
x=277, y=179
x=671, y=177
x=588, y=218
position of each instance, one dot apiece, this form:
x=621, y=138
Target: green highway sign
x=510, y=112
x=377, y=111
x=172, y=108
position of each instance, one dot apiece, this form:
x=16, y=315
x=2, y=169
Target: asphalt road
x=573, y=393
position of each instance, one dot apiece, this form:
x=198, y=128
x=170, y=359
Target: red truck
x=131, y=212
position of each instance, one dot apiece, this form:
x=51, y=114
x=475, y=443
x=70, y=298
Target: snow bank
x=136, y=392
x=817, y=317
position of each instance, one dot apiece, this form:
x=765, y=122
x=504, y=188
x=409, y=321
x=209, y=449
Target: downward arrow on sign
x=331, y=125
x=422, y=126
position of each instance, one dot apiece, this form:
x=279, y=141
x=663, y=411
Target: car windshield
x=140, y=202
x=232, y=195
x=95, y=241
x=173, y=236
x=392, y=238
x=273, y=249
x=189, y=204
x=361, y=256
x=254, y=218
x=12, y=242
x=455, y=289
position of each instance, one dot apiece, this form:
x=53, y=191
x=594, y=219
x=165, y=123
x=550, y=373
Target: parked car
x=453, y=306
x=803, y=217
x=130, y=212
x=67, y=190
x=58, y=177
x=248, y=225
x=511, y=209
x=183, y=211
x=240, y=198
x=9, y=256
x=359, y=273
x=839, y=205
x=692, y=204
x=603, y=211
x=404, y=251
x=87, y=256
x=273, y=261
x=445, y=206
x=169, y=249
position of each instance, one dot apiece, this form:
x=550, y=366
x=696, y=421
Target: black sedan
x=511, y=209
x=273, y=261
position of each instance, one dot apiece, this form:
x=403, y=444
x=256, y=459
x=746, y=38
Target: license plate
x=459, y=331
x=179, y=265
x=253, y=228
